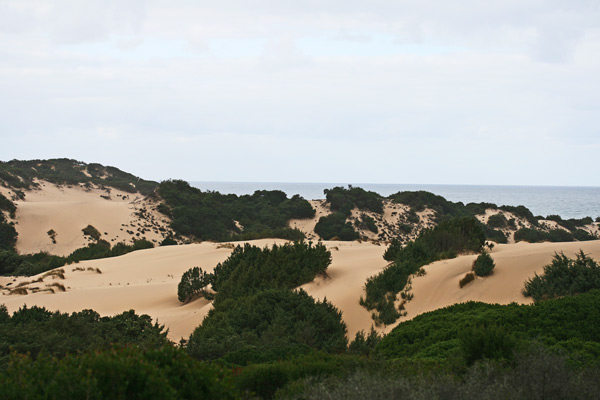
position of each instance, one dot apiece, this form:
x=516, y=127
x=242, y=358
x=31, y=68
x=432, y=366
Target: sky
x=427, y=92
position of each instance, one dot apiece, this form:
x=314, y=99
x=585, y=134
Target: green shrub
x=23, y=174
x=469, y=277
x=497, y=221
x=484, y=264
x=193, y=283
x=367, y=222
x=213, y=216
x=249, y=268
x=564, y=277
x=364, y=344
x=8, y=235
x=335, y=226
x=91, y=232
x=120, y=373
x=7, y=205
x=273, y=322
x=553, y=322
x=343, y=200
x=486, y=342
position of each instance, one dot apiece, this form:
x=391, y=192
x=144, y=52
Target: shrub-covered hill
x=353, y=213
x=215, y=216
x=18, y=174
x=570, y=323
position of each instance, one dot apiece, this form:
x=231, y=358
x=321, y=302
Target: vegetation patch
x=483, y=264
x=62, y=171
x=564, y=277
x=212, y=215
x=446, y=240
x=343, y=200
x=335, y=226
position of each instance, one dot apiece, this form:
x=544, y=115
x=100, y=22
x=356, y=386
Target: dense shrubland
x=278, y=343
x=446, y=240
x=256, y=315
x=213, y=216
x=344, y=200
x=36, y=330
x=266, y=326
x=22, y=175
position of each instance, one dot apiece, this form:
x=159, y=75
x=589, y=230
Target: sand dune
x=515, y=263
x=67, y=210
x=146, y=281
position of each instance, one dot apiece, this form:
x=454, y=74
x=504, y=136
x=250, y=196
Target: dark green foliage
x=522, y=212
x=469, y=277
x=484, y=264
x=495, y=235
x=12, y=263
x=530, y=235
x=364, y=344
x=7, y=205
x=536, y=236
x=212, y=216
x=367, y=222
x=583, y=235
x=91, y=232
x=393, y=250
x=193, y=283
x=250, y=269
x=335, y=226
x=343, y=200
x=168, y=241
x=34, y=330
x=120, y=373
x=8, y=234
x=556, y=322
x=564, y=277
x=268, y=325
x=497, y=221
x=486, y=342
x=70, y=172
x=420, y=200
x=446, y=240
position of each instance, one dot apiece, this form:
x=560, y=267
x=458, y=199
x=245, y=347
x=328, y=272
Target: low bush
x=335, y=226
x=484, y=264
x=193, y=283
x=469, y=277
x=497, y=221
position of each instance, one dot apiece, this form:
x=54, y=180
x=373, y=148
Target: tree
x=193, y=283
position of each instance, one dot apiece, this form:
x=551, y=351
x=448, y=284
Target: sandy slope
x=67, y=210
x=146, y=281
x=515, y=263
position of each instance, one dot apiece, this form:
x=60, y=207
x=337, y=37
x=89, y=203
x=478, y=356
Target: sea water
x=566, y=201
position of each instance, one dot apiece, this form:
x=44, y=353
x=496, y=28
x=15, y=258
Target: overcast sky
x=456, y=92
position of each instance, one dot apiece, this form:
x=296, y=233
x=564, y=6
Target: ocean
x=566, y=201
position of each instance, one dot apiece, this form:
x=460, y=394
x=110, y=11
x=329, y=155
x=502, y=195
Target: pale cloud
x=382, y=91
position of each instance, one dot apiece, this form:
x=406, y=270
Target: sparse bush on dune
x=446, y=240
x=469, y=277
x=484, y=264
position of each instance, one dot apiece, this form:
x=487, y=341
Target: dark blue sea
x=566, y=201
